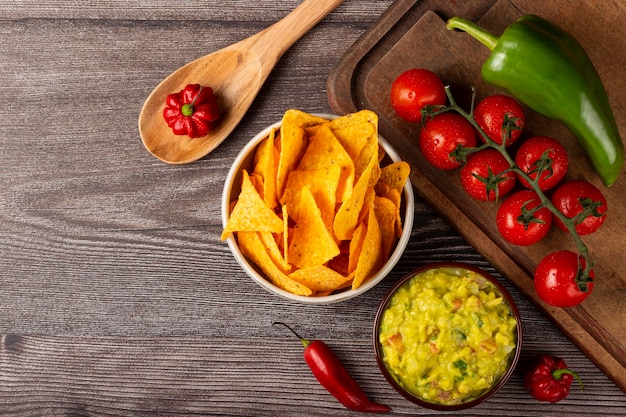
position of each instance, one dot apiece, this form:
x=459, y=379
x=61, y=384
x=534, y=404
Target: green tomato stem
x=570, y=224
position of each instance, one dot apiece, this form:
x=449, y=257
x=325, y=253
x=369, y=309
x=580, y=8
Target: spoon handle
x=275, y=40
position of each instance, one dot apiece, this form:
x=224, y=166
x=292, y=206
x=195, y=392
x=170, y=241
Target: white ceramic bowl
x=232, y=188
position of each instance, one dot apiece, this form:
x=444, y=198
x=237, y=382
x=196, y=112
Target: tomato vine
x=584, y=275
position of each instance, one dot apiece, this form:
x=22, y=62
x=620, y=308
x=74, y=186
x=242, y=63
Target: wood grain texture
x=117, y=297
x=595, y=326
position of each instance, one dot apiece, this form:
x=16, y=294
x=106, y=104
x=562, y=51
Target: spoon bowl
x=236, y=74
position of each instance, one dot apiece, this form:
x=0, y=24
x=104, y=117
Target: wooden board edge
x=343, y=99
x=340, y=81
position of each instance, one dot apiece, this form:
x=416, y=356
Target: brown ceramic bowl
x=456, y=325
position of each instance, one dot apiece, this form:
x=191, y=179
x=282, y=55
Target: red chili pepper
x=192, y=111
x=549, y=379
x=333, y=376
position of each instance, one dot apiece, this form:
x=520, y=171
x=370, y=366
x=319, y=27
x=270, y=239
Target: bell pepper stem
x=486, y=38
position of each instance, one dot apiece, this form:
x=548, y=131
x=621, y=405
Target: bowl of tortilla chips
x=317, y=208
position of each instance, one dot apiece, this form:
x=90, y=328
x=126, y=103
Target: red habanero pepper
x=333, y=376
x=192, y=111
x=549, y=379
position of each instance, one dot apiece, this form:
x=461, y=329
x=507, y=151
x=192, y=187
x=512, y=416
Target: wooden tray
x=412, y=33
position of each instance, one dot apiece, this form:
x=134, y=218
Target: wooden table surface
x=117, y=297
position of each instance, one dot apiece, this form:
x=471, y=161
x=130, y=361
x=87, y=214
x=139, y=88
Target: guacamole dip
x=447, y=335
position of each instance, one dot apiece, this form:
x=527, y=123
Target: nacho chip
x=253, y=249
x=356, y=246
x=285, y=242
x=319, y=278
x=250, y=214
x=293, y=143
x=393, y=176
x=347, y=216
x=354, y=130
x=274, y=252
x=323, y=185
x=311, y=243
x=368, y=200
x=324, y=151
x=386, y=214
x=257, y=182
x=265, y=166
x=370, y=259
x=395, y=196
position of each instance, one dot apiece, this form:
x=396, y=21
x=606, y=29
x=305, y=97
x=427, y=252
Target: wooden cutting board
x=412, y=33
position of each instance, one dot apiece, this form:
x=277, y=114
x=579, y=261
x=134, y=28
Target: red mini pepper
x=549, y=379
x=192, y=111
x=333, y=376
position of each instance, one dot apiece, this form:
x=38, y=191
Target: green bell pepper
x=548, y=70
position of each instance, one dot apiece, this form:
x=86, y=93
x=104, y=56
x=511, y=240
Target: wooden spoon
x=235, y=73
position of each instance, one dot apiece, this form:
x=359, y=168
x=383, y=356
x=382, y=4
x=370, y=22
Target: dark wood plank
x=264, y=376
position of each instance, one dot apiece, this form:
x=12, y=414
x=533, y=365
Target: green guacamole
x=447, y=335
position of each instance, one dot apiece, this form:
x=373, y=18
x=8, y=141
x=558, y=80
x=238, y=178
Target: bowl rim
x=251, y=270
x=487, y=394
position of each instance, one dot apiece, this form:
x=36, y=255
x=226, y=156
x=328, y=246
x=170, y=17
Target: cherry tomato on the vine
x=519, y=223
x=557, y=279
x=542, y=154
x=483, y=175
x=582, y=201
x=414, y=89
x=442, y=136
x=492, y=112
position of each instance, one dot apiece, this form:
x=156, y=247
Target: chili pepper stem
x=305, y=342
x=558, y=373
x=486, y=38
x=188, y=109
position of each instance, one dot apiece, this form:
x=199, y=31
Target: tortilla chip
x=323, y=185
x=356, y=246
x=354, y=130
x=250, y=214
x=265, y=166
x=347, y=216
x=386, y=214
x=274, y=252
x=368, y=200
x=311, y=244
x=257, y=182
x=370, y=260
x=324, y=151
x=319, y=278
x=395, y=196
x=285, y=242
x=253, y=249
x=393, y=176
x=293, y=143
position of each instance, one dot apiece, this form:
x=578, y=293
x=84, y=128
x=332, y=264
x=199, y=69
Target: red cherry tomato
x=581, y=200
x=491, y=114
x=483, y=175
x=414, y=89
x=545, y=154
x=556, y=279
x=444, y=134
x=517, y=222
